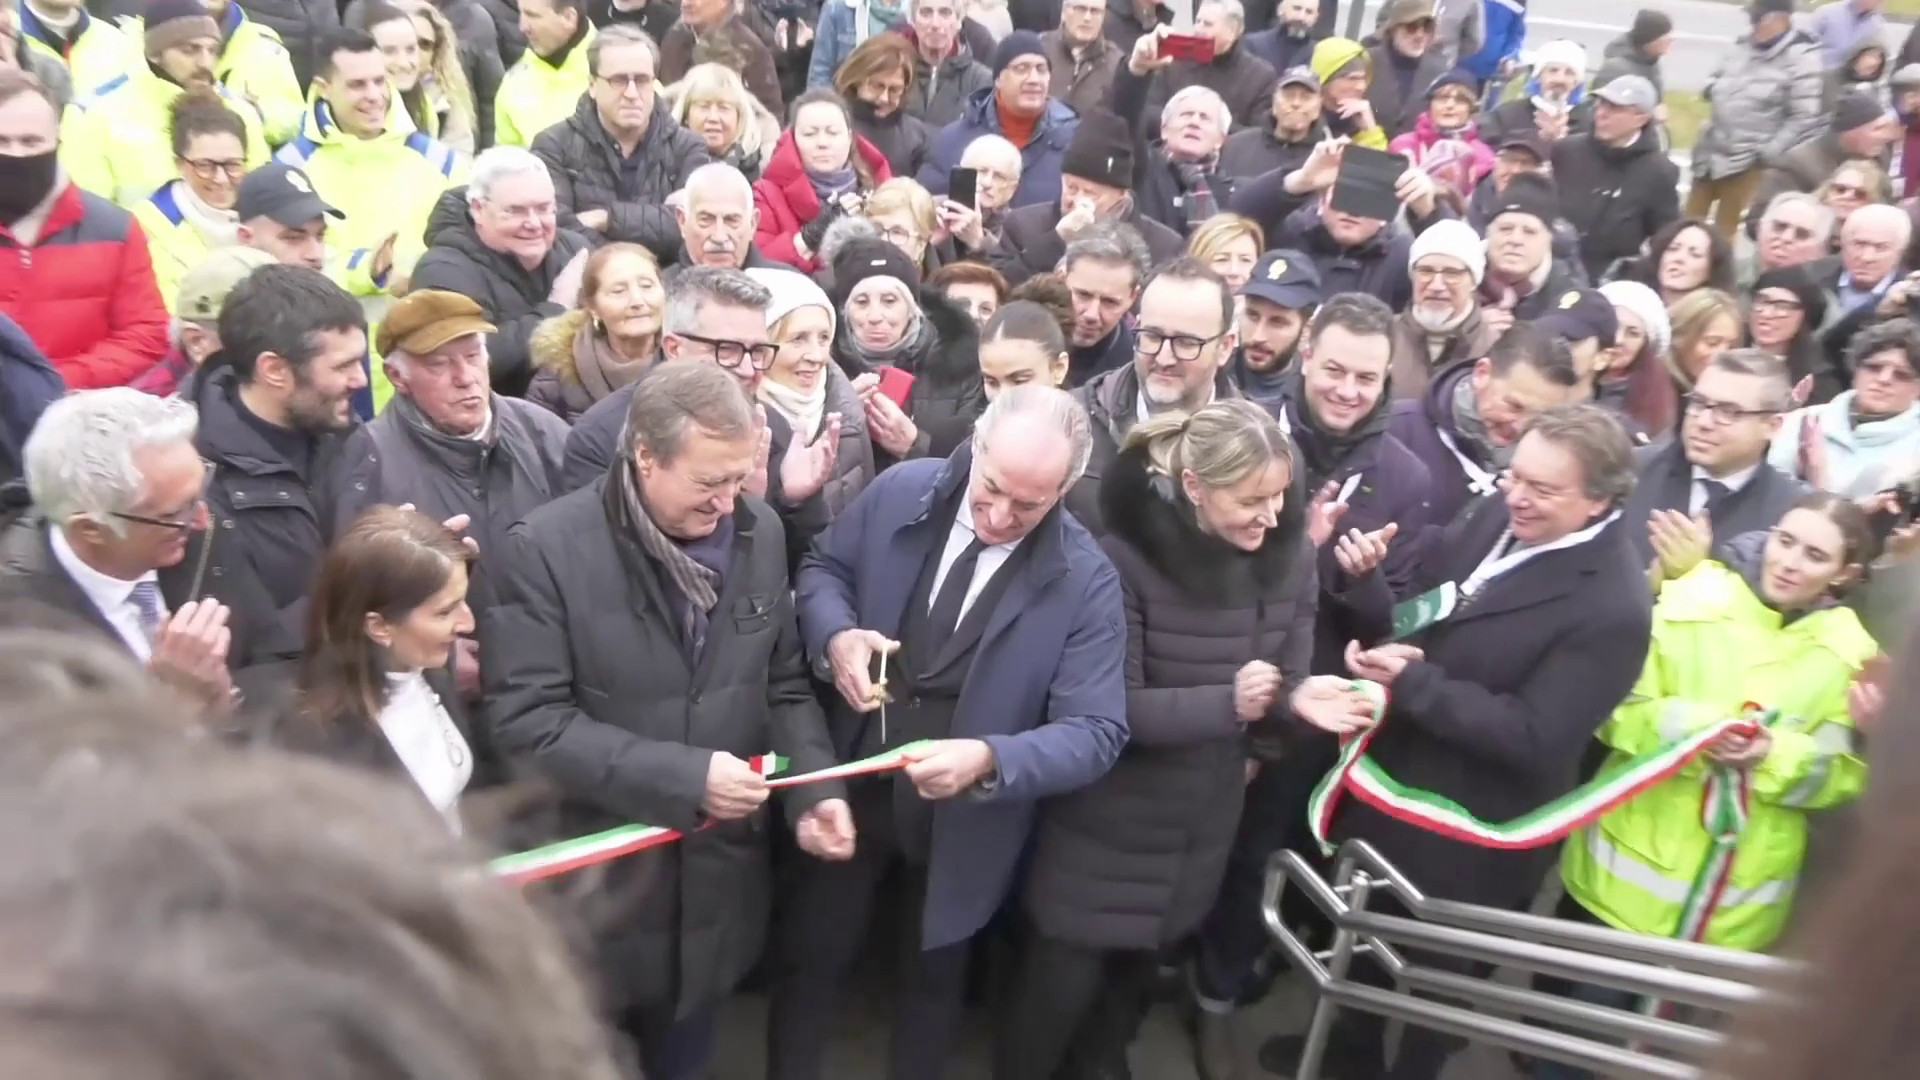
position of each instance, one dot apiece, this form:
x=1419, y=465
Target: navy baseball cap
x=1285, y=277
x=1580, y=314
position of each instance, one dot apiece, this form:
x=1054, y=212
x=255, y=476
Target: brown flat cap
x=421, y=322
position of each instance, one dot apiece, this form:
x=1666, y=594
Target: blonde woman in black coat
x=1207, y=528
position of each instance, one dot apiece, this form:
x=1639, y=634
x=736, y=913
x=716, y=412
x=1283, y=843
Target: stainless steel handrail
x=1613, y=1042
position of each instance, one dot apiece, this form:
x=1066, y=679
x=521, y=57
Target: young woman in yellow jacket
x=1767, y=627
x=193, y=215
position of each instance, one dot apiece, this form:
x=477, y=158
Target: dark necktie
x=944, y=615
x=146, y=599
x=1717, y=493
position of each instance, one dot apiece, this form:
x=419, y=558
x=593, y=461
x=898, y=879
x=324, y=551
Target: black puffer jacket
x=1244, y=81
x=901, y=138
x=513, y=297
x=946, y=397
x=1133, y=861
x=301, y=25
x=589, y=174
x=1615, y=197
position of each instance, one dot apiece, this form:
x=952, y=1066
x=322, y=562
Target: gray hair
x=1758, y=364
x=845, y=230
x=1822, y=213
x=694, y=287
x=717, y=175
x=499, y=162
x=1109, y=242
x=995, y=145
x=80, y=459
x=615, y=36
x=1202, y=94
x=669, y=397
x=1880, y=215
x=1232, y=9
x=1055, y=407
x=1597, y=441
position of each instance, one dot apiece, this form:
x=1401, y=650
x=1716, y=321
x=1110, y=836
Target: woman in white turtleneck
x=195, y=215
x=376, y=687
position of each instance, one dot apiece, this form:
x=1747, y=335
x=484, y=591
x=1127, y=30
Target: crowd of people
x=559, y=411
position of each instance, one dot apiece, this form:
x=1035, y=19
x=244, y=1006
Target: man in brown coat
x=1082, y=59
x=1444, y=325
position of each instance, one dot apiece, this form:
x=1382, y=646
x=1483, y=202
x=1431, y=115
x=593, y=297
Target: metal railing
x=1612, y=1042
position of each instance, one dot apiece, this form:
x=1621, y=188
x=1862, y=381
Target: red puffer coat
x=85, y=292
x=786, y=199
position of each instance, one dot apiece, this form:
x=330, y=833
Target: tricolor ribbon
x=581, y=852
x=1360, y=775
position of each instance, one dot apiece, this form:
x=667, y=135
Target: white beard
x=1427, y=318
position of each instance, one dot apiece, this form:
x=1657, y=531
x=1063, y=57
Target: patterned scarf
x=1199, y=203
x=698, y=584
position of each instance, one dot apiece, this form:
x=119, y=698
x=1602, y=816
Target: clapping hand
x=756, y=482
x=1680, y=542
x=190, y=651
x=1359, y=553
x=1382, y=663
x=1324, y=514
x=807, y=467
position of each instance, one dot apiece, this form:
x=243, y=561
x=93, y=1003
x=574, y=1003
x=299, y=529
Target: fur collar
x=1155, y=519
x=551, y=345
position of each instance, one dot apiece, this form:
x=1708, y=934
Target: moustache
x=718, y=245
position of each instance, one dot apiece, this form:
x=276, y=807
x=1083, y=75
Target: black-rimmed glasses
x=1723, y=412
x=182, y=520
x=730, y=353
x=1186, y=347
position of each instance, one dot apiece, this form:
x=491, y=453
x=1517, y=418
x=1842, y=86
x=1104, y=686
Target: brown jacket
x=733, y=45
x=1086, y=85
x=1413, y=366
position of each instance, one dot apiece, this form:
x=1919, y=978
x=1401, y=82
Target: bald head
x=1029, y=447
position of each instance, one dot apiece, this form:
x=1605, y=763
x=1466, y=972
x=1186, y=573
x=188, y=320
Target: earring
x=598, y=326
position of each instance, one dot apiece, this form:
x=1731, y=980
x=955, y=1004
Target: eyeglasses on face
x=731, y=353
x=180, y=520
x=1186, y=347
x=884, y=91
x=1787, y=228
x=900, y=234
x=1896, y=370
x=207, y=168
x=1723, y=412
x=624, y=83
x=1452, y=275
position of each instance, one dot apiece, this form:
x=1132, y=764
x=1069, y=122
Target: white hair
x=1055, y=408
x=499, y=162
x=719, y=176
x=1822, y=213
x=80, y=459
x=1881, y=216
x=1201, y=94
x=1232, y=9
x=986, y=147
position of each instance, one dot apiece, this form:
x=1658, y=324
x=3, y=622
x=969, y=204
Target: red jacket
x=85, y=293
x=786, y=199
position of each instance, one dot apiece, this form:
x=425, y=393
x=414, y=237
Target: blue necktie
x=146, y=597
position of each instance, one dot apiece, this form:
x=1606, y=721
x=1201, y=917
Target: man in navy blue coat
x=955, y=601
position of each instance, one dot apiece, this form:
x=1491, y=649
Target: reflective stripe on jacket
x=115, y=141
x=1715, y=647
x=535, y=95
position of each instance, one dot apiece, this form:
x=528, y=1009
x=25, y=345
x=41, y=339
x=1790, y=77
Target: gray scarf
x=1467, y=424
x=698, y=584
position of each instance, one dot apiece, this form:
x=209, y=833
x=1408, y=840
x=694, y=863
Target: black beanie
x=1529, y=193
x=1014, y=46
x=862, y=259
x=1101, y=150
x=1648, y=27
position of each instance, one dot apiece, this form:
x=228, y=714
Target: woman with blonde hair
x=902, y=211
x=1854, y=184
x=430, y=82
x=608, y=340
x=1207, y=527
x=1706, y=323
x=1230, y=244
x=713, y=102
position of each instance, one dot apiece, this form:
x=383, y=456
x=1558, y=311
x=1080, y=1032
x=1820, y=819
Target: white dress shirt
x=991, y=559
x=1697, y=495
x=111, y=596
x=427, y=742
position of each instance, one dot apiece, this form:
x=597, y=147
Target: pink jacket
x=1458, y=161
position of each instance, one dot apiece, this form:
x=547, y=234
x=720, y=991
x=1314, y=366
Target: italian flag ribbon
x=1724, y=810
x=1360, y=775
x=566, y=856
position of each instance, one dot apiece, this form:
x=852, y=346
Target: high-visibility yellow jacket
x=100, y=53
x=177, y=247
x=1332, y=54
x=1716, y=646
x=255, y=65
x=115, y=142
x=535, y=95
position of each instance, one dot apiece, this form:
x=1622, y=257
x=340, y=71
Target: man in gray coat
x=446, y=443
x=643, y=650
x=1766, y=99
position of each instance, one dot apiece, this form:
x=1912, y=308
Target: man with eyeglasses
x=718, y=316
x=359, y=153
x=621, y=153
x=1444, y=325
x=1617, y=186
x=1873, y=246
x=1794, y=231
x=1712, y=483
x=1082, y=59
x=117, y=488
x=115, y=137
x=506, y=251
x=1181, y=345
x=1018, y=108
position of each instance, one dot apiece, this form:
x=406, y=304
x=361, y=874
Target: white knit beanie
x=791, y=289
x=1647, y=306
x=1569, y=53
x=1452, y=238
